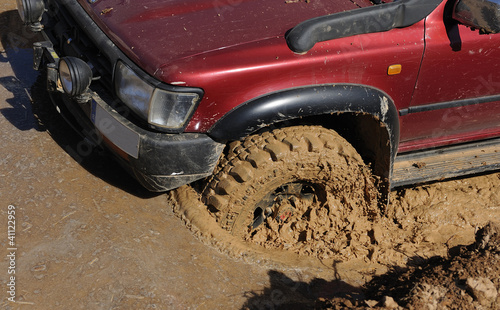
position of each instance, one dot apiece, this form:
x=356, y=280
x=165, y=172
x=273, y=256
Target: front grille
x=62, y=26
x=70, y=40
x=74, y=33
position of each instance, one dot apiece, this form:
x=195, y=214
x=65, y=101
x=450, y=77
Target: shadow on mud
x=16, y=50
x=40, y=114
x=285, y=293
x=467, y=279
x=396, y=286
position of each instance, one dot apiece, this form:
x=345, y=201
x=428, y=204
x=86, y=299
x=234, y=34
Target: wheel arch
x=365, y=116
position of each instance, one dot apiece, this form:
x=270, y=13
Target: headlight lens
x=132, y=90
x=162, y=109
x=65, y=77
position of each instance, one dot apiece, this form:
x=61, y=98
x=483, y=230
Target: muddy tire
x=300, y=187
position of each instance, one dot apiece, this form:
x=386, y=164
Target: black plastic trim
x=165, y=161
x=378, y=18
x=448, y=105
x=308, y=101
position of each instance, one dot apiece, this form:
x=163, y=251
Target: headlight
x=161, y=108
x=132, y=90
x=31, y=12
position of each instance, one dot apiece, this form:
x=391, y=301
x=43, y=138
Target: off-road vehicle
x=276, y=104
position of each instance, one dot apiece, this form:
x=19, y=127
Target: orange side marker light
x=394, y=69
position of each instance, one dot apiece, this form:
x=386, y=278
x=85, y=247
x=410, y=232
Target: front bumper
x=158, y=161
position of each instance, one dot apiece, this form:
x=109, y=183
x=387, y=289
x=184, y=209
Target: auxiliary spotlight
x=75, y=76
x=31, y=12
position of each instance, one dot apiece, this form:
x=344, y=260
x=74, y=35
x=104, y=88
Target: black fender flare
x=305, y=101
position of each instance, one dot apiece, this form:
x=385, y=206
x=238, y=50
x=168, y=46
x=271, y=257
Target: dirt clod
x=420, y=165
x=483, y=290
x=489, y=237
x=389, y=303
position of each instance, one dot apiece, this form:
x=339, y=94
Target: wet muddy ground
x=87, y=236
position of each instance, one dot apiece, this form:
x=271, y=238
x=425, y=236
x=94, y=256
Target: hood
x=154, y=33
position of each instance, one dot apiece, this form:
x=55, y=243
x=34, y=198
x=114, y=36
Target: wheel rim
x=281, y=203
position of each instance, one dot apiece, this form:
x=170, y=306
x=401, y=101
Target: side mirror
x=480, y=14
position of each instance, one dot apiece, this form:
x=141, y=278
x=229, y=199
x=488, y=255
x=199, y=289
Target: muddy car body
x=175, y=88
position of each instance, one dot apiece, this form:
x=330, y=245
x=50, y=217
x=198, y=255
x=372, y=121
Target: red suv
x=278, y=101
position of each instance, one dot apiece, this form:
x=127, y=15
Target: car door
x=457, y=95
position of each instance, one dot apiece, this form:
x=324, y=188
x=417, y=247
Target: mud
x=416, y=257
x=325, y=230
x=419, y=223
x=319, y=230
x=468, y=279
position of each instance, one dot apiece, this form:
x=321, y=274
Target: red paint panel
x=235, y=75
x=155, y=32
x=459, y=63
